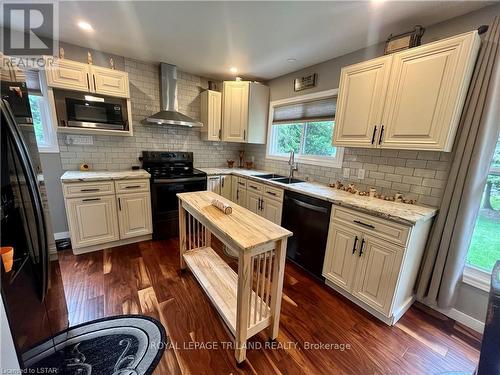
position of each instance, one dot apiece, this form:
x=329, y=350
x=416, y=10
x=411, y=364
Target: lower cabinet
x=253, y=201
x=213, y=184
x=107, y=213
x=92, y=220
x=134, y=214
x=271, y=210
x=226, y=186
x=374, y=262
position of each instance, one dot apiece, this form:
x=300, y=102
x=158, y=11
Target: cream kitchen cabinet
x=360, y=102
x=408, y=100
x=134, y=214
x=73, y=75
x=253, y=201
x=226, y=186
x=239, y=187
x=374, y=262
x=211, y=116
x=264, y=200
x=271, y=209
x=92, y=220
x=107, y=213
x=213, y=184
x=245, y=108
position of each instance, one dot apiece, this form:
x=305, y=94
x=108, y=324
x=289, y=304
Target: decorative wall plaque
x=304, y=83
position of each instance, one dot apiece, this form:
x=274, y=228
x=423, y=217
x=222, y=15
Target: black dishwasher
x=308, y=218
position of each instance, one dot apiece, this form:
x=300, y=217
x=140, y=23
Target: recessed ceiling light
x=85, y=26
x=291, y=59
x=233, y=70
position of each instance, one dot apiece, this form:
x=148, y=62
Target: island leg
x=277, y=287
x=182, y=234
x=243, y=304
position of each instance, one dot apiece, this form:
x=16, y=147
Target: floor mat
x=125, y=345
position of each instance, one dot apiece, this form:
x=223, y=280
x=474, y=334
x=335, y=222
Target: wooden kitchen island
x=248, y=301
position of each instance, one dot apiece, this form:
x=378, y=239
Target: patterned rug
x=121, y=345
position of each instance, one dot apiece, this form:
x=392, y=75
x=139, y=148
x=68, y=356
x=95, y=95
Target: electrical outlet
x=346, y=172
x=79, y=140
x=361, y=174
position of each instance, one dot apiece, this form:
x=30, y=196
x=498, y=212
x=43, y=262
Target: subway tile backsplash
x=119, y=153
x=419, y=175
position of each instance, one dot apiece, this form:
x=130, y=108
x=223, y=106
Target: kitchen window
x=484, y=249
x=304, y=124
x=45, y=134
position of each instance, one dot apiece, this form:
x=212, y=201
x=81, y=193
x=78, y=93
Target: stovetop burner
x=168, y=165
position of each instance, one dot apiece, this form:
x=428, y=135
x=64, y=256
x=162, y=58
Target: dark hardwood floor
x=144, y=278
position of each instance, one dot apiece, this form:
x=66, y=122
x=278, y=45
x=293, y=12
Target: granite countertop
x=78, y=176
x=408, y=214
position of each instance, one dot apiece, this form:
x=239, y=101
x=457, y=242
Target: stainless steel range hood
x=169, y=114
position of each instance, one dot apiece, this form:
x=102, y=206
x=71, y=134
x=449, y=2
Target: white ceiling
x=207, y=38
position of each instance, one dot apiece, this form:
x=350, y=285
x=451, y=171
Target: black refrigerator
x=24, y=288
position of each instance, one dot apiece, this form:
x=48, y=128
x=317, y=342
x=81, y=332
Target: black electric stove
x=171, y=173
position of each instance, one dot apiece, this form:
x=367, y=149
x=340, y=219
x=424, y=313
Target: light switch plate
x=361, y=174
x=79, y=139
x=346, y=172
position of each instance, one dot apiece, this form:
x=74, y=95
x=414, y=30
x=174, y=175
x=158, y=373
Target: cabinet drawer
x=380, y=228
x=131, y=186
x=242, y=183
x=273, y=193
x=254, y=186
x=85, y=189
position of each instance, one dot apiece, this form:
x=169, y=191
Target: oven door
x=166, y=206
x=94, y=114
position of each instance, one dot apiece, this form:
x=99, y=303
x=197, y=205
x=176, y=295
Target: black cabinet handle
x=381, y=134
x=364, y=224
x=119, y=204
x=271, y=193
x=373, y=135
x=354, y=246
x=88, y=82
x=237, y=194
x=220, y=133
x=93, y=76
x=87, y=190
x=222, y=181
x=253, y=187
x=361, y=248
x=91, y=199
x=260, y=205
x=132, y=187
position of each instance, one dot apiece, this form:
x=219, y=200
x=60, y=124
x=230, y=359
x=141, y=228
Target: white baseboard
x=61, y=235
x=465, y=319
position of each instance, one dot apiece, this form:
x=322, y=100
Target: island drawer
x=391, y=231
x=85, y=189
x=131, y=186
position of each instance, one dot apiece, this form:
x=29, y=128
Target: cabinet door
x=271, y=210
x=211, y=117
x=225, y=186
x=241, y=196
x=92, y=221
x=234, y=188
x=253, y=202
x=341, y=255
x=134, y=214
x=110, y=82
x=360, y=103
x=377, y=273
x=235, y=111
x=67, y=74
x=213, y=184
x=427, y=92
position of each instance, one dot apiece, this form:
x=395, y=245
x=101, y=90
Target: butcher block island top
x=242, y=227
x=248, y=301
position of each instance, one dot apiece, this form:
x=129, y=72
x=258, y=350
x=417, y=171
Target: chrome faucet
x=292, y=164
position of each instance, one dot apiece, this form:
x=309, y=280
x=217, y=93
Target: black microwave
x=97, y=114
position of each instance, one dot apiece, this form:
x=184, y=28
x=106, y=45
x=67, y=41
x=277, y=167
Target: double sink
x=278, y=178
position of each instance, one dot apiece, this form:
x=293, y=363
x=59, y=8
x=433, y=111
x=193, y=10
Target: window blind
x=314, y=110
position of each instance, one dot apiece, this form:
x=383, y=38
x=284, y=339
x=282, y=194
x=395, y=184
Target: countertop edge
x=78, y=176
x=385, y=215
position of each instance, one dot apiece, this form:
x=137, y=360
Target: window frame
x=333, y=162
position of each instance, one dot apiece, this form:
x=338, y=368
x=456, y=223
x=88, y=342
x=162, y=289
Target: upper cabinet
x=211, y=117
x=408, y=100
x=361, y=102
x=245, y=108
x=76, y=76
